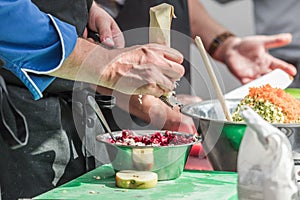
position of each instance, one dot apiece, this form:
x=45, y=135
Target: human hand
x=153, y=111
x=180, y=123
x=103, y=24
x=146, y=69
x=160, y=115
x=188, y=99
x=143, y=69
x=248, y=58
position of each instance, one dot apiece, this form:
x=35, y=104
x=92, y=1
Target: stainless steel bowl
x=167, y=161
x=221, y=139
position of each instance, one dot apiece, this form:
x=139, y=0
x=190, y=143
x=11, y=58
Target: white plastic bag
x=265, y=163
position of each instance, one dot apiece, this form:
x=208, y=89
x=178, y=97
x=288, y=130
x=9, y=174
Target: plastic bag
x=265, y=163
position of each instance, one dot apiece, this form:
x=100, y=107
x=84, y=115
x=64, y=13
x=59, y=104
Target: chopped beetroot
x=128, y=138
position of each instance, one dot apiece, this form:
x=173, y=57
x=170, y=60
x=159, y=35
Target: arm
x=54, y=49
x=148, y=69
x=202, y=24
x=29, y=47
x=247, y=58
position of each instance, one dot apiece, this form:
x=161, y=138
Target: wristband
x=218, y=41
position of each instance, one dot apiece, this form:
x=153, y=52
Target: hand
x=188, y=99
x=181, y=123
x=248, y=58
x=143, y=69
x=153, y=111
x=149, y=69
x=103, y=24
x=158, y=114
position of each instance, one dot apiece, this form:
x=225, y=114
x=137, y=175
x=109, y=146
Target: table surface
x=197, y=181
x=192, y=184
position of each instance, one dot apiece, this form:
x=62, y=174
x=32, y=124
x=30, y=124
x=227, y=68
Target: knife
x=276, y=78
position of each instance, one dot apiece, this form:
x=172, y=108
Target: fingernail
x=109, y=42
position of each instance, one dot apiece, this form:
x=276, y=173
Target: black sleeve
x=74, y=12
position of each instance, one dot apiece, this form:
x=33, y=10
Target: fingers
x=144, y=69
x=188, y=99
x=85, y=33
x=111, y=35
x=280, y=64
x=107, y=28
x=158, y=81
x=160, y=78
x=246, y=80
x=151, y=90
x=173, y=71
x=170, y=58
x=105, y=34
x=169, y=53
x=279, y=40
x=117, y=36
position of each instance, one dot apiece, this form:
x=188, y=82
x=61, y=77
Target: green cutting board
x=191, y=185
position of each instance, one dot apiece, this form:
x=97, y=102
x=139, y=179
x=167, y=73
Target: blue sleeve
x=33, y=43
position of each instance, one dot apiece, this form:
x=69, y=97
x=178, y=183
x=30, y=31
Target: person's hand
x=148, y=69
x=153, y=111
x=106, y=27
x=180, y=123
x=188, y=99
x=143, y=69
x=248, y=58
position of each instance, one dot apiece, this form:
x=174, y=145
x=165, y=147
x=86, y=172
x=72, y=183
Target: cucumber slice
x=132, y=179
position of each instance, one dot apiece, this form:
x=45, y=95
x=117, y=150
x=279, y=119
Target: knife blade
x=276, y=78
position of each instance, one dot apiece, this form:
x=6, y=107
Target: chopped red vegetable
x=167, y=138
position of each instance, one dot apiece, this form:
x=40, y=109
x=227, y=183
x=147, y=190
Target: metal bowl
x=221, y=139
x=167, y=161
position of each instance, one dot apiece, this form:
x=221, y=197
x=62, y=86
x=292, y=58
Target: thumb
x=278, y=40
x=105, y=34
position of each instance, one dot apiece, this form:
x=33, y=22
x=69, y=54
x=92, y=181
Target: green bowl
x=221, y=139
x=294, y=91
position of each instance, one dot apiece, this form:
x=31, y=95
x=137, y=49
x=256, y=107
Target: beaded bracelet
x=218, y=41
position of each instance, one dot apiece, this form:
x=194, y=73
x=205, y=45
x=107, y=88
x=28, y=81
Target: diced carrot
x=289, y=104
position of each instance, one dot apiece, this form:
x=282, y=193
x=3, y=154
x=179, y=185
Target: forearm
x=82, y=64
x=202, y=24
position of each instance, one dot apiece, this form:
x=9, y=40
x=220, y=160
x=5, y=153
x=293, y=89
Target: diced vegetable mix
x=272, y=104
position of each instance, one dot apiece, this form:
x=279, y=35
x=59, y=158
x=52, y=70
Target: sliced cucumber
x=132, y=179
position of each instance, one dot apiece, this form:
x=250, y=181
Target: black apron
x=41, y=142
x=74, y=12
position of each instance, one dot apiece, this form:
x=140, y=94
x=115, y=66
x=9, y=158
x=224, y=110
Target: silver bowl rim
x=99, y=138
x=184, y=110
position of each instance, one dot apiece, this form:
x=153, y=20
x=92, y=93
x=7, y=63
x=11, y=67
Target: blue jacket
x=33, y=43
